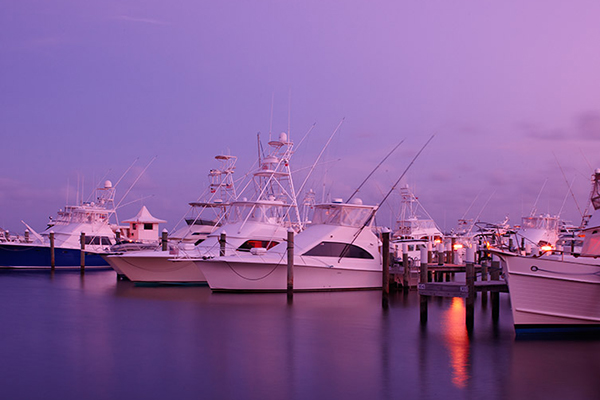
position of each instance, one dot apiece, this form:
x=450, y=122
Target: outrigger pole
x=384, y=199
x=372, y=172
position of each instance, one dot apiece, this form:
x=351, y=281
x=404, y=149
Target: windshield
x=268, y=213
x=338, y=214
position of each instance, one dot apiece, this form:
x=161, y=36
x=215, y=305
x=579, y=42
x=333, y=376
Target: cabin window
x=334, y=249
x=411, y=247
x=148, y=227
x=96, y=240
x=250, y=244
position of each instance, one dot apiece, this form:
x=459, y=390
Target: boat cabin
x=143, y=227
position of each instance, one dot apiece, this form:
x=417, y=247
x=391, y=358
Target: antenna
x=534, y=209
x=320, y=154
x=569, y=186
x=271, y=119
x=136, y=180
x=289, y=112
x=473, y=202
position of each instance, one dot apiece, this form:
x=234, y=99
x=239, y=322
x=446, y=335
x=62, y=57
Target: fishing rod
x=372, y=172
x=405, y=171
x=368, y=221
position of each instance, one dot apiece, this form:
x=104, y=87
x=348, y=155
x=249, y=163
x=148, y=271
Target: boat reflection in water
x=122, y=340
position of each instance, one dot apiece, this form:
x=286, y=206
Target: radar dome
x=107, y=184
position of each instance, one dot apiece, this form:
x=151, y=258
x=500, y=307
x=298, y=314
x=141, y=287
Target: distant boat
x=414, y=231
x=558, y=292
x=538, y=231
x=410, y=225
x=337, y=251
x=92, y=218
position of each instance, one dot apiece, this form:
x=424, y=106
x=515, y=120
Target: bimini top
x=343, y=214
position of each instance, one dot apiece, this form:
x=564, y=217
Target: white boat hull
x=156, y=267
x=550, y=293
x=229, y=274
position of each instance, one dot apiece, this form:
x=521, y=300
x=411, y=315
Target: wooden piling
x=484, y=277
x=470, y=300
x=52, y=257
x=290, y=263
x=406, y=267
x=385, y=253
x=423, y=278
x=495, y=296
x=222, y=242
x=82, y=241
x=164, y=240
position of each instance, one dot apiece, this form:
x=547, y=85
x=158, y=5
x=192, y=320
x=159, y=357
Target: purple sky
x=507, y=87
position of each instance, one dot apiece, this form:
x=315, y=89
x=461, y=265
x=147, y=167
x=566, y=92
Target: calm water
x=72, y=337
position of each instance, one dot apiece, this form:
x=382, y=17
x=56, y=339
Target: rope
x=255, y=279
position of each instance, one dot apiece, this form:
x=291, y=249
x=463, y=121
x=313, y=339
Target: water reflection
x=456, y=339
x=121, y=340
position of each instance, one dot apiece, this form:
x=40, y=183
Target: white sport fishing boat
x=414, y=231
x=92, y=218
x=557, y=292
x=152, y=264
x=337, y=251
x=260, y=222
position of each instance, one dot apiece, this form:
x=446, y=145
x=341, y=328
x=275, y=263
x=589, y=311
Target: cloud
x=588, y=125
x=536, y=132
x=142, y=20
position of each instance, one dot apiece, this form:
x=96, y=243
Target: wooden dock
x=439, y=280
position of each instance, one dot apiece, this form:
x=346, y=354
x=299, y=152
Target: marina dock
x=439, y=280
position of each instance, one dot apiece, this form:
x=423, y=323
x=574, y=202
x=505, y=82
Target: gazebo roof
x=144, y=217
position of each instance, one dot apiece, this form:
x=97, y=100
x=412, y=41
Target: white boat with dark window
x=92, y=218
x=558, y=292
x=337, y=251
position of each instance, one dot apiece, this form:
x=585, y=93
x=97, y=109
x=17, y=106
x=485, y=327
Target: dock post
x=423, y=279
x=406, y=267
x=222, y=242
x=52, y=258
x=429, y=258
x=470, y=300
x=385, y=253
x=164, y=240
x=423, y=299
x=82, y=241
x=484, y=277
x=440, y=253
x=290, y=263
x=495, y=296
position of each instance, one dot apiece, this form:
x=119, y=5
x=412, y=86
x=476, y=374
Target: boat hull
x=157, y=267
x=554, y=295
x=38, y=257
x=232, y=275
